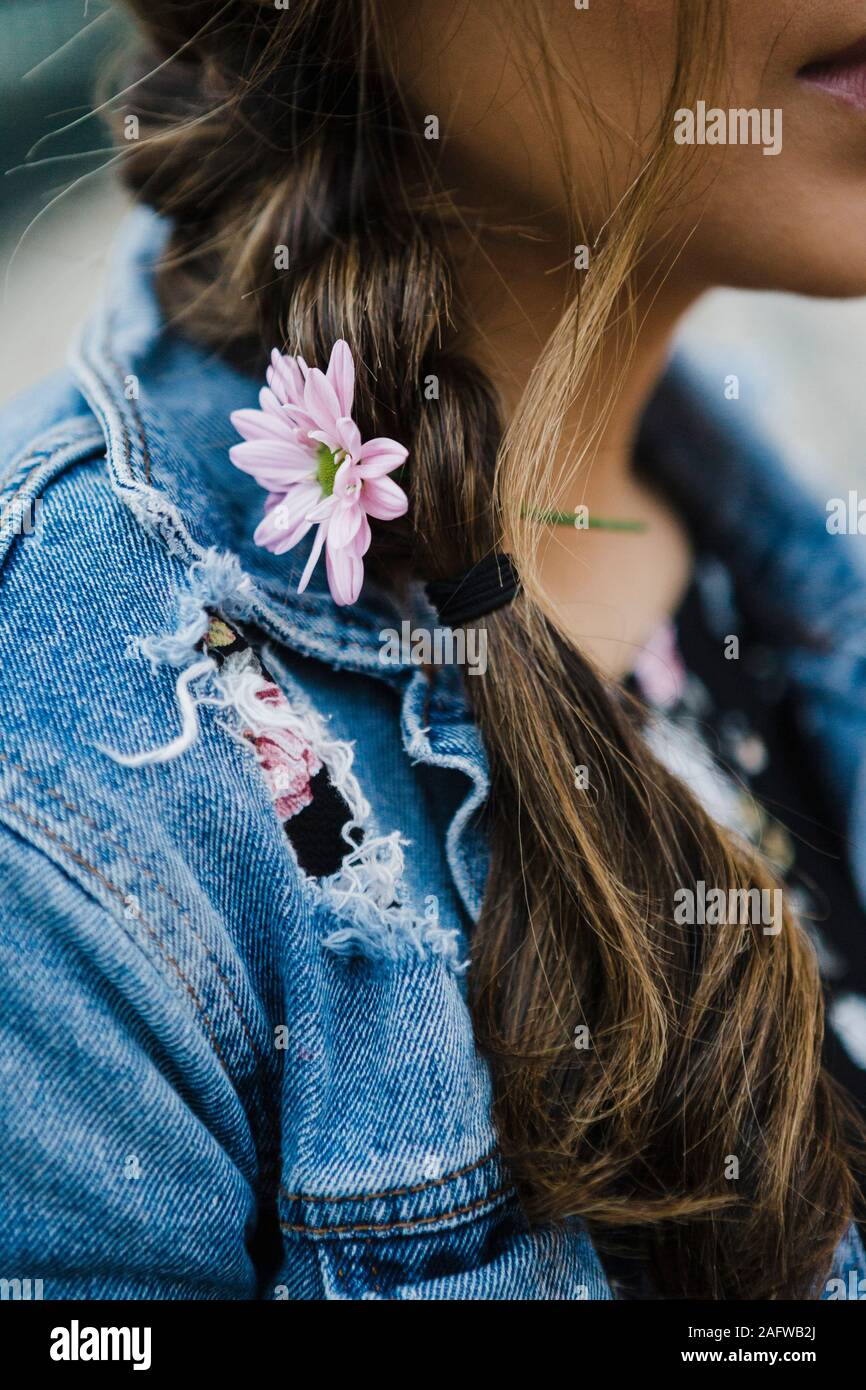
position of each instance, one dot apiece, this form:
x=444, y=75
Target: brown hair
x=265, y=127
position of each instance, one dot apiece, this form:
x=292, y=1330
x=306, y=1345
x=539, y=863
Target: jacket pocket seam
x=411, y=1223
x=392, y=1191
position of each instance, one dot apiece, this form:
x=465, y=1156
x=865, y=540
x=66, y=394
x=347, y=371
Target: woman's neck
x=610, y=590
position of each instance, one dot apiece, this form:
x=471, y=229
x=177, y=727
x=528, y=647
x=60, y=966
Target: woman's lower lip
x=843, y=77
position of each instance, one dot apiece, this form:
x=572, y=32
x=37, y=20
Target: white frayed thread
x=216, y=581
x=367, y=889
x=187, y=704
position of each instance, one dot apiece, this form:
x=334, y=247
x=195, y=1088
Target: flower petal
x=345, y=575
x=312, y=559
x=285, y=378
x=274, y=453
x=341, y=375
x=279, y=543
x=383, y=499
x=257, y=424
x=304, y=423
x=270, y=405
x=344, y=476
x=322, y=509
x=320, y=401
x=274, y=464
x=380, y=456
x=345, y=523
x=361, y=543
x=285, y=521
x=349, y=436
x=296, y=503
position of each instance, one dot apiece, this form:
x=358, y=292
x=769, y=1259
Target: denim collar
x=164, y=406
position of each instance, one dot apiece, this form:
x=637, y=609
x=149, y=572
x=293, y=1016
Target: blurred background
x=801, y=364
x=59, y=203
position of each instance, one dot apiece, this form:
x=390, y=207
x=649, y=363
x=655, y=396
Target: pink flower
x=305, y=448
x=287, y=762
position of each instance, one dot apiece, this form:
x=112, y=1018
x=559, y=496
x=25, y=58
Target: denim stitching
x=24, y=463
x=124, y=898
x=396, y=1225
x=394, y=1191
x=37, y=457
x=185, y=916
x=7, y=510
x=145, y=450
x=74, y=430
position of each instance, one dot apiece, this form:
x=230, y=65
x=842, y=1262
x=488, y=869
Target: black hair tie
x=490, y=584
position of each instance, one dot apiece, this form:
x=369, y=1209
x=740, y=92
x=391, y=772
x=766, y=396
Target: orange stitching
x=118, y=892
x=394, y=1191
x=396, y=1225
x=123, y=849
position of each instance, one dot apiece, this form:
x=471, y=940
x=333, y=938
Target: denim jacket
x=222, y=1074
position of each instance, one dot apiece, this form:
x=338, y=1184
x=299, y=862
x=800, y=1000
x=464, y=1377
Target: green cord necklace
x=582, y=521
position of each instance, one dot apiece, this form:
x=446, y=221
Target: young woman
x=433, y=729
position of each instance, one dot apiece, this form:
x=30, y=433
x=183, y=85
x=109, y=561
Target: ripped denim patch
x=313, y=810
x=327, y=820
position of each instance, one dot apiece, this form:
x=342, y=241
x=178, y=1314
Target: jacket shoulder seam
x=72, y=442
x=83, y=430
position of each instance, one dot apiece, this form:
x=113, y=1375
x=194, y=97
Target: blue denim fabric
x=218, y=1076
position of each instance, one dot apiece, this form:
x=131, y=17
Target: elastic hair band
x=490, y=584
